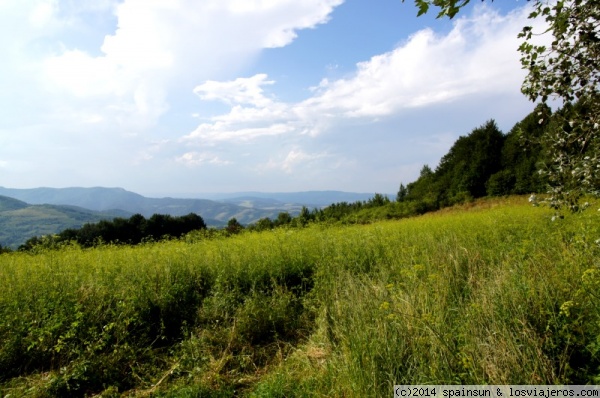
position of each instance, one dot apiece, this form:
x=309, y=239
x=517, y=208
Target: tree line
x=132, y=231
x=568, y=70
x=488, y=163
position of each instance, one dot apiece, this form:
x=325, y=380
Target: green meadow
x=492, y=292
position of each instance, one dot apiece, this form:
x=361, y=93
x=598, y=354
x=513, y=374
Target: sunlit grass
x=493, y=292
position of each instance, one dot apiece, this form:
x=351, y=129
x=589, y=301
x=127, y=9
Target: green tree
x=4, y=249
x=402, y=192
x=522, y=155
x=304, y=217
x=464, y=171
x=424, y=191
x=378, y=200
x=567, y=70
x=447, y=8
x=283, y=218
x=233, y=226
x=264, y=224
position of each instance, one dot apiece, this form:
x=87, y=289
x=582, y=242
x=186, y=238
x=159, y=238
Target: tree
x=304, y=217
x=567, y=70
x=233, y=226
x=264, y=224
x=522, y=154
x=378, y=200
x=402, y=192
x=466, y=168
x=424, y=190
x=283, y=218
x=4, y=249
x=190, y=222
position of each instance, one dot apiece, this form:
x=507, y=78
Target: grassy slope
x=497, y=294
x=19, y=223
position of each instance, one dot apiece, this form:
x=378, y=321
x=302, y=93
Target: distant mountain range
x=309, y=199
x=25, y=213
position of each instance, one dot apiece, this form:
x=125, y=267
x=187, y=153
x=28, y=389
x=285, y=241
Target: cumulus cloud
x=477, y=57
x=156, y=46
x=239, y=91
x=107, y=84
x=91, y=74
x=297, y=157
x=198, y=158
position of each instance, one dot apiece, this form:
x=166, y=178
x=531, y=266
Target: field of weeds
x=490, y=293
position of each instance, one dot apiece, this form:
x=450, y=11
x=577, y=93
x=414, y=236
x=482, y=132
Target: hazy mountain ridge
x=304, y=198
x=106, y=199
x=25, y=213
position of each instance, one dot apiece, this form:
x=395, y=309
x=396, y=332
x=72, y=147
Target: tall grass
x=494, y=294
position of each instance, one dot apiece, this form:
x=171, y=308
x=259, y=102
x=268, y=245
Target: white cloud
x=297, y=157
x=199, y=158
x=239, y=91
x=159, y=41
x=157, y=46
x=91, y=79
x=105, y=84
x=476, y=58
x=294, y=159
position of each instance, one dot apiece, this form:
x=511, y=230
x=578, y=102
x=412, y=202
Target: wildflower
x=565, y=308
x=533, y=199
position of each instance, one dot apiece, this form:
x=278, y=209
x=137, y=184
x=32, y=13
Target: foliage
x=463, y=173
x=402, y=192
x=454, y=297
x=132, y=231
x=233, y=226
x=447, y=8
x=522, y=153
x=568, y=70
x=468, y=165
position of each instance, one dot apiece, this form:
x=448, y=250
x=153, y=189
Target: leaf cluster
x=568, y=70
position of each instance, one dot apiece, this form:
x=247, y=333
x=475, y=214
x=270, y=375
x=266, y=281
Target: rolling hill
x=20, y=221
x=108, y=199
x=25, y=213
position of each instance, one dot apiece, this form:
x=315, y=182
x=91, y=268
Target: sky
x=184, y=97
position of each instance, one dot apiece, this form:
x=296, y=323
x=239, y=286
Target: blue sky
x=181, y=97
